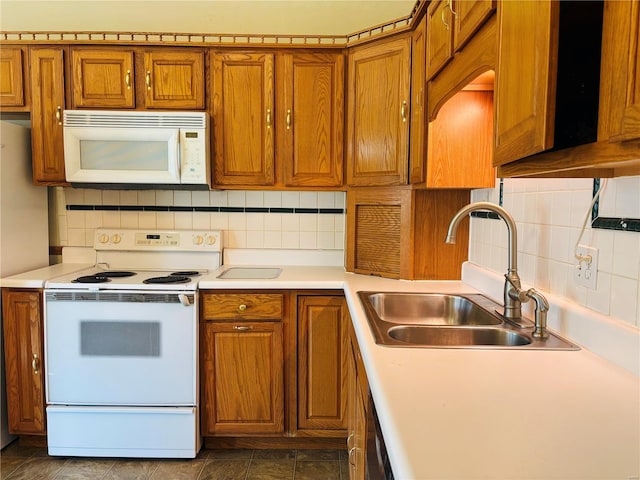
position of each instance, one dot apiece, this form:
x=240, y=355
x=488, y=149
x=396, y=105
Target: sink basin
x=448, y=336
x=429, y=309
x=246, y=273
x=430, y=320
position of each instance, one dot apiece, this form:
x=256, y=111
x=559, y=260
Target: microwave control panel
x=193, y=156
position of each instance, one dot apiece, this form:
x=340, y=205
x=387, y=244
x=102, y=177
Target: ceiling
x=293, y=17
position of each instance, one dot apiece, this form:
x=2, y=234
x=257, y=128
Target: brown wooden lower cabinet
x=322, y=345
x=242, y=378
x=274, y=366
x=242, y=362
x=23, y=350
x=358, y=404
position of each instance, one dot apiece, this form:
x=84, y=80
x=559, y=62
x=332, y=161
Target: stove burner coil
x=117, y=274
x=168, y=279
x=187, y=273
x=97, y=278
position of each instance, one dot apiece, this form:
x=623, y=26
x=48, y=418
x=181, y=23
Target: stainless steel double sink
x=403, y=319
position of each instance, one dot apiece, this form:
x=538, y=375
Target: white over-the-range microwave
x=109, y=148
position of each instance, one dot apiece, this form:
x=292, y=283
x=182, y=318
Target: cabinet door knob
x=35, y=364
x=242, y=307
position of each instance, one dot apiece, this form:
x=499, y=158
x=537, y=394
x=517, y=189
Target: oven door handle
x=184, y=299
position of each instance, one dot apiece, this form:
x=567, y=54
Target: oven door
x=120, y=348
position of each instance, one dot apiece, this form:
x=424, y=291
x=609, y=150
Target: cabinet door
x=524, y=97
x=23, y=347
x=311, y=119
x=470, y=15
x=418, y=131
x=378, y=113
x=620, y=72
x=12, y=69
x=102, y=78
x=174, y=79
x=47, y=85
x=357, y=421
x=242, y=378
x=322, y=362
x=243, y=120
x=439, y=36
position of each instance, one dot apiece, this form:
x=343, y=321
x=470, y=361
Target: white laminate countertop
x=478, y=413
x=36, y=278
x=485, y=413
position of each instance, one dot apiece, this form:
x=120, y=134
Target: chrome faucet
x=513, y=294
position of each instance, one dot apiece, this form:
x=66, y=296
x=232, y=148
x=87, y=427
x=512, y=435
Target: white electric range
x=121, y=346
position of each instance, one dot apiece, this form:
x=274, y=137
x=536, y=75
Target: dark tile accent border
x=171, y=208
x=611, y=223
x=482, y=214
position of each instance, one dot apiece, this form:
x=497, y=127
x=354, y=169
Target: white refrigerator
x=24, y=224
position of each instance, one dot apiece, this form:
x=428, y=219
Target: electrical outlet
x=586, y=270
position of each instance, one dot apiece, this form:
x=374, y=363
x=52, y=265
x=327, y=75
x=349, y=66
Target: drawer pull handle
x=242, y=328
x=242, y=307
x=35, y=364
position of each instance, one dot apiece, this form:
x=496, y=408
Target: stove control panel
x=154, y=240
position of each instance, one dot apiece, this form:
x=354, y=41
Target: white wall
x=323, y=231
x=310, y=17
x=549, y=214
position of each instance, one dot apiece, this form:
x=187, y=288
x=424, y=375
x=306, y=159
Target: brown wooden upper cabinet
x=525, y=79
x=620, y=82
x=567, y=96
x=13, y=78
x=164, y=78
x=289, y=103
x=310, y=119
x=174, y=79
x=243, y=119
x=47, y=103
x=378, y=113
x=451, y=24
x=102, y=78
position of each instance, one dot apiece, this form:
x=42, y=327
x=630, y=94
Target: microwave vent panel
x=114, y=119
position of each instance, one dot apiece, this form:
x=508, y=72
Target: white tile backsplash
x=549, y=214
x=256, y=230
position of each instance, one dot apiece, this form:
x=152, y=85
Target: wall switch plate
x=585, y=272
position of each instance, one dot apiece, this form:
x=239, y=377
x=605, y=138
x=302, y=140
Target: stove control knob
x=198, y=240
x=211, y=240
x=116, y=238
x=104, y=238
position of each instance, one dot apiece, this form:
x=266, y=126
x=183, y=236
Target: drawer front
x=242, y=306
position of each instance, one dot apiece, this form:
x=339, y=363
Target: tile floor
x=32, y=463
